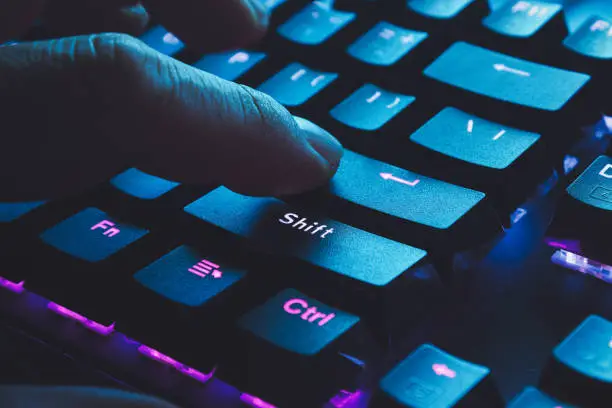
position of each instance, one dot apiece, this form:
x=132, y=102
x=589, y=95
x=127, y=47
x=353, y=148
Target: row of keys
x=517, y=19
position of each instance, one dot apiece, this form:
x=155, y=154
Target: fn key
x=294, y=345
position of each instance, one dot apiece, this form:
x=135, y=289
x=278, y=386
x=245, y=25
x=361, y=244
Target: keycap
x=579, y=370
x=230, y=65
x=470, y=151
x=475, y=140
x=533, y=398
x=506, y=78
x=285, y=344
x=432, y=378
x=162, y=40
x=272, y=4
x=184, y=276
x=354, y=264
x=369, y=193
x=370, y=107
x=315, y=23
x=92, y=235
x=441, y=9
x=521, y=18
x=593, y=39
x=142, y=185
x=192, y=293
x=385, y=44
x=12, y=211
x=296, y=84
x=583, y=213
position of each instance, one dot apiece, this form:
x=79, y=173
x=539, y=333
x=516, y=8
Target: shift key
x=406, y=206
x=334, y=261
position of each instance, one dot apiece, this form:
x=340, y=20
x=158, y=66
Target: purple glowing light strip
x=584, y=265
x=344, y=397
x=255, y=401
x=90, y=324
x=12, y=286
x=182, y=368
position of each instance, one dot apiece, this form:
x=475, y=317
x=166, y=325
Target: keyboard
x=458, y=258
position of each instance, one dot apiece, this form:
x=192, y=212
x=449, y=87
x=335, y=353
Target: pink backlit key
x=285, y=344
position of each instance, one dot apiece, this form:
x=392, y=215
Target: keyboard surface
x=458, y=258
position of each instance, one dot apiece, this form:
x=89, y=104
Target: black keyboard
x=458, y=258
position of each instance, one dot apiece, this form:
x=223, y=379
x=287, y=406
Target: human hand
x=75, y=111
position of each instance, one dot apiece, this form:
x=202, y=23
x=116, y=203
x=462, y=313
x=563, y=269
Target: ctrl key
x=294, y=351
x=432, y=378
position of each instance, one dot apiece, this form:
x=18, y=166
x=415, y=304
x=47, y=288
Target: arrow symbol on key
x=504, y=68
x=389, y=176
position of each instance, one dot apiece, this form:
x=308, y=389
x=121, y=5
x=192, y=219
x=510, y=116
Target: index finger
x=211, y=25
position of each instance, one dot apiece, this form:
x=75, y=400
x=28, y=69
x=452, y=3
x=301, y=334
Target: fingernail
x=323, y=142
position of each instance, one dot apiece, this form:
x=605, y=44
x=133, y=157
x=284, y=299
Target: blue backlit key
x=315, y=23
x=142, y=185
x=12, y=211
x=521, y=18
x=593, y=38
x=385, y=44
x=188, y=276
x=506, y=78
x=230, y=65
x=466, y=137
x=162, y=40
x=534, y=398
x=91, y=235
x=594, y=186
x=286, y=343
x=401, y=193
x=272, y=4
x=296, y=83
x=580, y=370
x=432, y=378
x=370, y=107
x=441, y=9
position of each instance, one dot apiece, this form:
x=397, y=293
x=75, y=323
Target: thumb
x=77, y=110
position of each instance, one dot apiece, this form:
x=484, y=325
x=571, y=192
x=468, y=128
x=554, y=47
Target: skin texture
x=79, y=109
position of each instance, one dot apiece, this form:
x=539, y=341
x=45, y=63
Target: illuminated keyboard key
x=296, y=83
x=188, y=276
x=91, y=235
x=580, y=370
x=474, y=140
x=401, y=193
x=286, y=343
x=432, y=378
x=594, y=185
x=506, y=78
x=593, y=39
x=272, y=4
x=584, y=215
x=385, y=44
x=142, y=185
x=11, y=211
x=315, y=23
x=533, y=398
x=230, y=65
x=370, y=107
x=162, y=40
x=442, y=9
x=355, y=263
x=521, y=18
